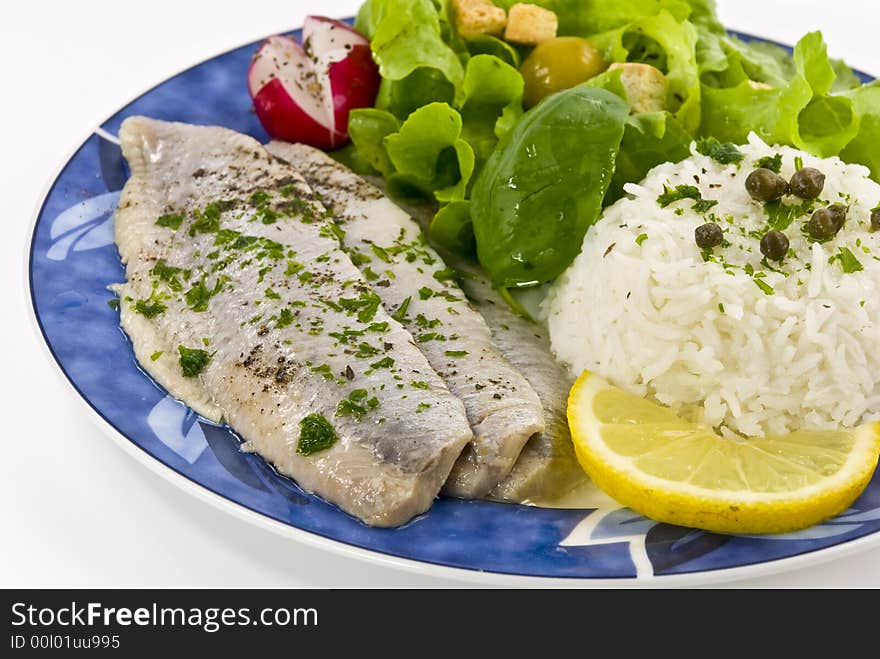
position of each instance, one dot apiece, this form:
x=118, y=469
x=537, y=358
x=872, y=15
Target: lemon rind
x=725, y=511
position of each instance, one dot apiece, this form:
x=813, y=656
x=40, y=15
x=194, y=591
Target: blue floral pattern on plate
x=72, y=262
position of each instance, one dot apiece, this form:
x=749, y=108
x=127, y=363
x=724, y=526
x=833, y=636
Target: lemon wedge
x=666, y=468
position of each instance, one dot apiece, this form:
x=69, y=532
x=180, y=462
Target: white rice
x=702, y=337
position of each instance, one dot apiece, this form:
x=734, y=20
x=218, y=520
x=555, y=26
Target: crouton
x=530, y=24
x=476, y=17
x=646, y=86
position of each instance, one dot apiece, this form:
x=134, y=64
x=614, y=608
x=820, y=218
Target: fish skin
x=502, y=407
x=547, y=468
x=270, y=367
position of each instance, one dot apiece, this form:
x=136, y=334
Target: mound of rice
x=729, y=342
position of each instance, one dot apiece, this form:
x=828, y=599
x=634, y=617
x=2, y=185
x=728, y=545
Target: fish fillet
x=240, y=301
x=547, y=468
x=412, y=279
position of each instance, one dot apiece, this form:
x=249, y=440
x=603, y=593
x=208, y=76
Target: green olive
x=559, y=64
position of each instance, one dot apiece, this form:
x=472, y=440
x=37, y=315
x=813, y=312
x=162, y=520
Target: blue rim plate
x=72, y=261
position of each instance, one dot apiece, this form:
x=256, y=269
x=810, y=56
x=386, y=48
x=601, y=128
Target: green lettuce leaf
x=712, y=59
x=727, y=61
x=802, y=113
x=811, y=60
x=649, y=140
x=670, y=45
x=865, y=147
x=440, y=111
x=433, y=153
x=421, y=87
x=846, y=77
x=735, y=60
x=827, y=125
x=429, y=155
x=704, y=16
x=446, y=16
x=406, y=35
x=586, y=17
x=368, y=129
x=453, y=229
x=490, y=102
x=354, y=160
x=489, y=45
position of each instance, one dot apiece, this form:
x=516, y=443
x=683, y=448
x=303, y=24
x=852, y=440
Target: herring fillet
x=547, y=468
x=412, y=279
x=254, y=277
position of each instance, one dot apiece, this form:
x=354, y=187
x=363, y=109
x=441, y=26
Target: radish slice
x=304, y=93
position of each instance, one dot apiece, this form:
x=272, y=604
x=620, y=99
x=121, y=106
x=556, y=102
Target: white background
x=74, y=509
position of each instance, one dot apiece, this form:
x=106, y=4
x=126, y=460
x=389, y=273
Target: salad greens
x=649, y=139
x=585, y=17
x=543, y=187
x=802, y=112
x=668, y=44
x=448, y=125
x=864, y=147
x=406, y=35
x=428, y=154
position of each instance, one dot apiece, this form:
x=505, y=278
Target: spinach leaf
x=543, y=186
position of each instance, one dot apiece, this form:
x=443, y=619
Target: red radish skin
x=284, y=119
x=354, y=82
x=304, y=93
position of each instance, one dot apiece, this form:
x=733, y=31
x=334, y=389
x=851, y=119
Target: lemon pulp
x=678, y=472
